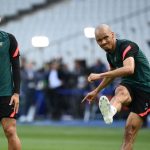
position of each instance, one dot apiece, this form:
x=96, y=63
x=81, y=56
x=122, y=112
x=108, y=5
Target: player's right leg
x=109, y=109
x=9, y=127
x=8, y=122
x=133, y=124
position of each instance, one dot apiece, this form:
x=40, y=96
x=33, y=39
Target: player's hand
x=90, y=96
x=93, y=77
x=15, y=101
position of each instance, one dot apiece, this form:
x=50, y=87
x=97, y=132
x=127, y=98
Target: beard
x=108, y=50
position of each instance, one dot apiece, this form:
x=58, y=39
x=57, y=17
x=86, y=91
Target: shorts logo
x=146, y=106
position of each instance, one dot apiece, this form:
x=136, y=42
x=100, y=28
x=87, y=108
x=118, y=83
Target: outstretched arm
x=92, y=95
x=105, y=82
x=108, y=77
x=127, y=69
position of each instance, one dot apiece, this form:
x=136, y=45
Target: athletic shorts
x=140, y=101
x=6, y=110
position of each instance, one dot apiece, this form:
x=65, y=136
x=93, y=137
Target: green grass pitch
x=74, y=138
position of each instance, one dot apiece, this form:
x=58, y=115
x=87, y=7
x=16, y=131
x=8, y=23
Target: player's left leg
x=9, y=127
x=109, y=109
x=133, y=124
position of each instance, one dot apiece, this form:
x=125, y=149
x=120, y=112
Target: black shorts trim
x=140, y=103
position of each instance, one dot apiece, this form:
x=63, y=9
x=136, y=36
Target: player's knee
x=122, y=91
x=9, y=131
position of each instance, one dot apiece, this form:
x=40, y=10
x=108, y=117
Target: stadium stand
x=63, y=24
x=13, y=6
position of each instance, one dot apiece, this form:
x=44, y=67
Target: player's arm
x=128, y=51
x=92, y=95
x=14, y=58
x=127, y=69
x=97, y=76
x=104, y=83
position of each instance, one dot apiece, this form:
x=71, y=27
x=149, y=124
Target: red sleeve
x=14, y=49
x=128, y=49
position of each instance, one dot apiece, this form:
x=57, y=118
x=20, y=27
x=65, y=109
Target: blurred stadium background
x=54, y=100
x=63, y=22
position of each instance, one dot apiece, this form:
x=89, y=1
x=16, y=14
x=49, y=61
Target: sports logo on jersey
x=1, y=44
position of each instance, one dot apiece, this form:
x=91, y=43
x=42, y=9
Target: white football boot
x=105, y=108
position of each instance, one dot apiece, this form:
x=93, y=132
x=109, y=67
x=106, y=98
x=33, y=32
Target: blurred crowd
x=55, y=92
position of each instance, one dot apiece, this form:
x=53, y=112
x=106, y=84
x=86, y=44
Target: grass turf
x=74, y=138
